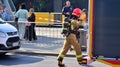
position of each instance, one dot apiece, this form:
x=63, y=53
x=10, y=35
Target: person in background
x=67, y=9
x=84, y=18
x=22, y=15
x=30, y=26
x=16, y=18
x=6, y=15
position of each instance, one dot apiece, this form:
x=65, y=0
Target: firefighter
x=72, y=36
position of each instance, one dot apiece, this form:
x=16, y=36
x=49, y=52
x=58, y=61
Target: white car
x=9, y=38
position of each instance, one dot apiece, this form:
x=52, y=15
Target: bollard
x=82, y=40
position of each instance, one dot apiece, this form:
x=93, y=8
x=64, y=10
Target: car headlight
x=2, y=34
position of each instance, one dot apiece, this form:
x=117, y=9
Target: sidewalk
x=34, y=48
x=49, y=42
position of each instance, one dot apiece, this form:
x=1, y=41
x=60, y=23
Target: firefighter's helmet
x=77, y=12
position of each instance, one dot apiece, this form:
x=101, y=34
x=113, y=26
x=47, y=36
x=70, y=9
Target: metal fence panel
x=82, y=39
x=49, y=37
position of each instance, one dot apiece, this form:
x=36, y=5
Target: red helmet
x=77, y=12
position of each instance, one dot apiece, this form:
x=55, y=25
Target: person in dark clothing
x=67, y=9
x=30, y=27
x=67, y=12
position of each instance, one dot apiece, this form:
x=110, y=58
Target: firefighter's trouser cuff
x=61, y=55
x=79, y=56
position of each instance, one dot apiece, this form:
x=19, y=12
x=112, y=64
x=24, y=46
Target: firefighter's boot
x=79, y=59
x=60, y=63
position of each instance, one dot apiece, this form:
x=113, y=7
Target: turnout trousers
x=71, y=40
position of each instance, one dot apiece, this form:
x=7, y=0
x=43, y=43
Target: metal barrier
x=48, y=36
x=46, y=18
x=82, y=39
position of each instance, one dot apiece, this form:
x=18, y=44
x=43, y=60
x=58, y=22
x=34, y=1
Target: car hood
x=7, y=28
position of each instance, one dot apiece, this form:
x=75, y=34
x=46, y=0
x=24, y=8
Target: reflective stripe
x=72, y=27
x=61, y=55
x=79, y=56
x=64, y=41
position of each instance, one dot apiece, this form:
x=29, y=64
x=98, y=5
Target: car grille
x=11, y=40
x=12, y=33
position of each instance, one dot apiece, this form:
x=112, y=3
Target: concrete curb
x=41, y=53
x=47, y=54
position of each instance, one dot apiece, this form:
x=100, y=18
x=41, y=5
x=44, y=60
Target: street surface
x=48, y=39
x=18, y=60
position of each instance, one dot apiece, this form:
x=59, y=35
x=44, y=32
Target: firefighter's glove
x=64, y=31
x=66, y=25
x=67, y=19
